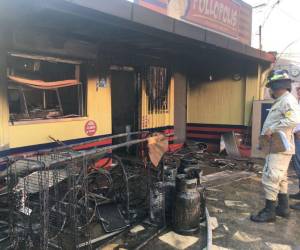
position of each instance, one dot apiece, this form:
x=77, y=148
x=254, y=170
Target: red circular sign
x=90, y=128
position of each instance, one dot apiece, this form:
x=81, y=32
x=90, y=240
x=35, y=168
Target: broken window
x=157, y=86
x=44, y=88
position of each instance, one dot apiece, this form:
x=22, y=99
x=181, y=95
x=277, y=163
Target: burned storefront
x=92, y=95
x=222, y=80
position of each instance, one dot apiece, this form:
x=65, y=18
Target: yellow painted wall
x=251, y=91
x=223, y=101
x=4, y=116
x=98, y=109
x=216, y=102
x=163, y=119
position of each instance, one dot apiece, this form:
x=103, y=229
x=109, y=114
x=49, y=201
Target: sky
x=280, y=29
x=280, y=20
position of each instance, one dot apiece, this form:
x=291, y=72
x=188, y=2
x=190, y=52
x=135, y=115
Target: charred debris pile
x=59, y=200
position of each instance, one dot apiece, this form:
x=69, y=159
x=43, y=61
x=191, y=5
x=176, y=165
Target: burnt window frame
x=81, y=91
x=161, y=105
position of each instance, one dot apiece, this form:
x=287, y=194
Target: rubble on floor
x=214, y=223
x=245, y=237
x=235, y=226
x=177, y=241
x=237, y=204
x=274, y=246
x=137, y=229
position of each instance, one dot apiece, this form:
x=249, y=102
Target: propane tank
x=194, y=172
x=157, y=204
x=202, y=193
x=187, y=210
x=170, y=172
x=187, y=162
x=197, y=172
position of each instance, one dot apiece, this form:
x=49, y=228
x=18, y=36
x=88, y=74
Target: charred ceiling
x=118, y=41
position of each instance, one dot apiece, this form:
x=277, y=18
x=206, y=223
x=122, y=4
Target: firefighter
x=283, y=116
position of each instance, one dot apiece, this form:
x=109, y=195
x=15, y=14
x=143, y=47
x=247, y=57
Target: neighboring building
x=294, y=71
x=77, y=70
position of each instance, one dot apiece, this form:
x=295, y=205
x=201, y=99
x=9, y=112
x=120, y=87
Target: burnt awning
x=39, y=84
x=122, y=22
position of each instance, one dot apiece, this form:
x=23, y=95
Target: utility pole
x=260, y=38
x=260, y=26
x=264, y=22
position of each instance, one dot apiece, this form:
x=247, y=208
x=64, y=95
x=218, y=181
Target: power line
x=289, y=15
x=265, y=20
x=292, y=54
x=288, y=46
x=270, y=12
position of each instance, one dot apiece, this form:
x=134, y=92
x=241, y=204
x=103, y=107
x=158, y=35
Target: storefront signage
x=232, y=18
x=90, y=128
x=219, y=15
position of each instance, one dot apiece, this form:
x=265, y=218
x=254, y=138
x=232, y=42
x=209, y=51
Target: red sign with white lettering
x=218, y=15
x=230, y=17
x=90, y=128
